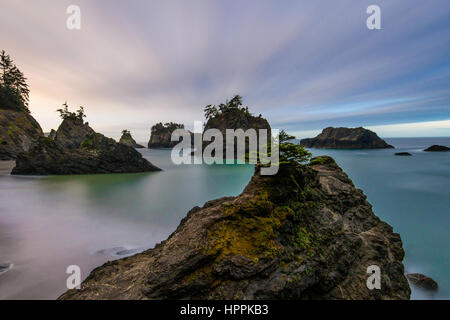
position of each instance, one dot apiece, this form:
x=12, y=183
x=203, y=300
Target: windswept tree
x=210, y=111
x=284, y=137
x=235, y=103
x=14, y=90
x=160, y=128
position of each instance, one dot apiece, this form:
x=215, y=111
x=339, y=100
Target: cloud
x=303, y=65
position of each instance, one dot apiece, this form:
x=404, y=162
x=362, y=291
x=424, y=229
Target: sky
x=303, y=65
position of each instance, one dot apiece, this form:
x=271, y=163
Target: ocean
x=50, y=223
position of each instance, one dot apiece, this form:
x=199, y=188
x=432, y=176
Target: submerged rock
x=18, y=131
x=128, y=140
x=78, y=149
x=236, y=117
x=422, y=281
x=403, y=154
x=305, y=233
x=346, y=138
x=437, y=148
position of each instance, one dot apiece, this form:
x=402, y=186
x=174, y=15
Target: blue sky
x=304, y=65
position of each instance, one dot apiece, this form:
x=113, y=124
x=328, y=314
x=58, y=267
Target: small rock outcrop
x=422, y=281
x=78, y=149
x=403, y=154
x=346, y=138
x=128, y=140
x=437, y=148
x=18, y=131
x=305, y=233
x=161, y=135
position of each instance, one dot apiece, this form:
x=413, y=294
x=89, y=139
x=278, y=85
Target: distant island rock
x=18, y=131
x=437, y=148
x=161, y=135
x=128, y=140
x=304, y=233
x=75, y=148
x=231, y=115
x=403, y=154
x=423, y=281
x=346, y=138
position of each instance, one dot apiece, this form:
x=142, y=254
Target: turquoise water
x=47, y=224
x=412, y=194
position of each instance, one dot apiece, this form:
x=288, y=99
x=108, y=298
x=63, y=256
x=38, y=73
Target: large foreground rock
x=346, y=138
x=306, y=233
x=78, y=149
x=18, y=131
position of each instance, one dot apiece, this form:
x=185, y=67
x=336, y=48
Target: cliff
x=346, y=138
x=128, y=140
x=18, y=131
x=306, y=233
x=76, y=148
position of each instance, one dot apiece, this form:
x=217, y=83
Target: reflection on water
x=49, y=223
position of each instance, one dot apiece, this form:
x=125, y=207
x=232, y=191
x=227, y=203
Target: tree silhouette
x=14, y=91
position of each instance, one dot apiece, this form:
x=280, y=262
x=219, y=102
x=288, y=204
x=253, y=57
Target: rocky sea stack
x=231, y=115
x=437, y=148
x=346, y=138
x=161, y=135
x=128, y=140
x=18, y=131
x=75, y=148
x=305, y=233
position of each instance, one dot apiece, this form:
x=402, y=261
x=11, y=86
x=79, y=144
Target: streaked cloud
x=304, y=65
